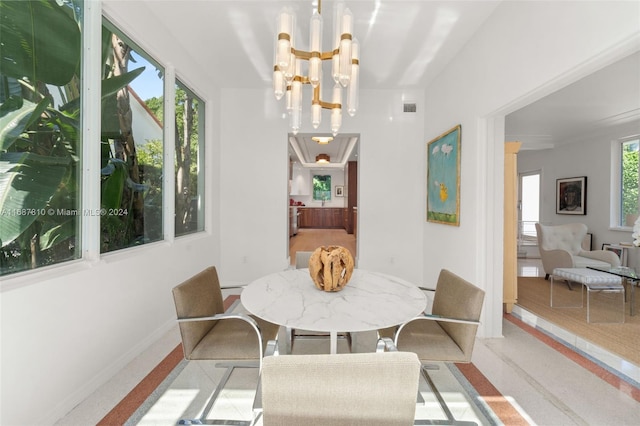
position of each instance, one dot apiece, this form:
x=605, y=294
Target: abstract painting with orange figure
x=443, y=178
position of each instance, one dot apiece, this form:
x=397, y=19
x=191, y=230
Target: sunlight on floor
x=530, y=268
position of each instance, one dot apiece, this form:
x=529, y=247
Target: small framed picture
x=620, y=251
x=339, y=191
x=571, y=195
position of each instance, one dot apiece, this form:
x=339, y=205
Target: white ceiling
x=608, y=97
x=404, y=46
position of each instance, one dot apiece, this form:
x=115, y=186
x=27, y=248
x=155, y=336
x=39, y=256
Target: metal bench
x=596, y=283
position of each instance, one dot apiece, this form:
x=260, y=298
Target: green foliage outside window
x=40, y=137
x=187, y=112
x=322, y=187
x=629, y=182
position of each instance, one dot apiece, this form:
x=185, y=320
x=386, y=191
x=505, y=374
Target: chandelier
x=288, y=76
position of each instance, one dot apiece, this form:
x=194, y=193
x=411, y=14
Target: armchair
x=208, y=333
x=561, y=247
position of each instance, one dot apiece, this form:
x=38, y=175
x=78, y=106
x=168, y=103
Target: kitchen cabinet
x=300, y=180
x=352, y=194
x=303, y=217
x=321, y=217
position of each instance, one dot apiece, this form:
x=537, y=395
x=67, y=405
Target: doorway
x=528, y=212
x=322, y=192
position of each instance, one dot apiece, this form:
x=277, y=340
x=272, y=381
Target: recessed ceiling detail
x=304, y=149
x=323, y=159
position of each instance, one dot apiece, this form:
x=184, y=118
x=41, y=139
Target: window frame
x=90, y=199
x=616, y=183
x=199, y=160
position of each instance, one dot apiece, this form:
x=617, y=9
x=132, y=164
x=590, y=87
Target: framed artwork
x=443, y=178
x=571, y=195
x=339, y=191
x=620, y=251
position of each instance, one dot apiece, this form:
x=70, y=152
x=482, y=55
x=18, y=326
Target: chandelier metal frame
x=287, y=71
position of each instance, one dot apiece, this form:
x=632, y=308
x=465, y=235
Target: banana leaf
x=27, y=183
x=113, y=186
x=40, y=40
x=53, y=233
x=14, y=123
x=109, y=86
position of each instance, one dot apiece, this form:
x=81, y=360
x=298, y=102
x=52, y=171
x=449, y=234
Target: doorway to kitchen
x=322, y=192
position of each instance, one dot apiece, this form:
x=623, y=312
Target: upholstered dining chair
x=341, y=389
x=447, y=334
x=208, y=333
x=302, y=259
x=560, y=246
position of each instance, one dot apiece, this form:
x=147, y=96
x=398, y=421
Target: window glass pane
x=40, y=145
x=629, y=182
x=322, y=187
x=132, y=144
x=189, y=159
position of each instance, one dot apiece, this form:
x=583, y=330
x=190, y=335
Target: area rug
x=622, y=339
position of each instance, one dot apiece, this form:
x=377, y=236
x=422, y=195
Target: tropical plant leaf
x=113, y=186
x=69, y=126
x=54, y=233
x=14, y=123
x=113, y=84
x=27, y=183
x=40, y=40
x=109, y=87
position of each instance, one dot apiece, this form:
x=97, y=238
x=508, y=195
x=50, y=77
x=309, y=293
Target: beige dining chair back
x=344, y=389
x=302, y=259
x=447, y=334
x=208, y=333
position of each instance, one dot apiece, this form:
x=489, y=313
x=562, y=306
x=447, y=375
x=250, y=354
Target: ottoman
x=605, y=293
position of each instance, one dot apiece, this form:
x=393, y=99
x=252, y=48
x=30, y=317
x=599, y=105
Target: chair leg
x=202, y=420
x=450, y=419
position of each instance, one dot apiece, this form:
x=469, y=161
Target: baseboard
x=83, y=392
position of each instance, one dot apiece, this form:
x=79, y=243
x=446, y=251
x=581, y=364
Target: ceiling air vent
x=409, y=107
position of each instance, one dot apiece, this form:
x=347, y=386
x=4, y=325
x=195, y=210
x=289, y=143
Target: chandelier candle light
x=287, y=71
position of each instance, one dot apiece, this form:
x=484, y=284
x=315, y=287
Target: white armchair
x=561, y=247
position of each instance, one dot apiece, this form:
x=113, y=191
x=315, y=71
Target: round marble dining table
x=370, y=301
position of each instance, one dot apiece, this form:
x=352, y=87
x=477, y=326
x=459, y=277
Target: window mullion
x=91, y=127
x=169, y=173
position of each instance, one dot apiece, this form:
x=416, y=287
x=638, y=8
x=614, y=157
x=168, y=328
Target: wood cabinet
x=302, y=217
x=352, y=194
x=510, y=266
x=321, y=217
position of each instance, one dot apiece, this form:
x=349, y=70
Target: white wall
x=254, y=203
x=524, y=51
x=69, y=328
x=588, y=157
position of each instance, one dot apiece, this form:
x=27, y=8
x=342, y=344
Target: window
x=41, y=206
x=189, y=202
x=40, y=144
x=628, y=182
x=322, y=187
x=132, y=145
x=529, y=207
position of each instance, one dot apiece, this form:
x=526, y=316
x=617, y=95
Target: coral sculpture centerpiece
x=331, y=267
